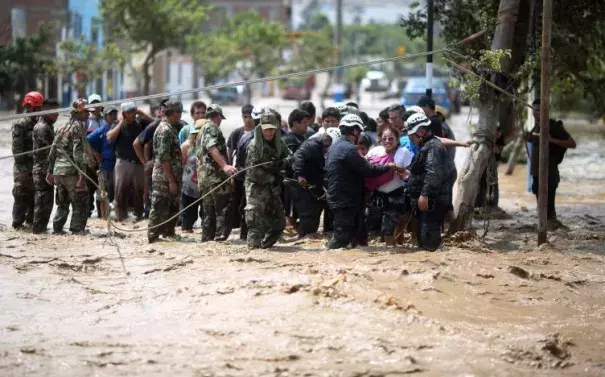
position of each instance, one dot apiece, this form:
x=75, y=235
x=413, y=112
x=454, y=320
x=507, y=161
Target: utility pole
x=544, y=122
x=429, y=47
x=339, y=40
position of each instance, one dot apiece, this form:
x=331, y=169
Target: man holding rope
x=167, y=174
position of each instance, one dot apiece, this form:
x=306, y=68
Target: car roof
x=418, y=84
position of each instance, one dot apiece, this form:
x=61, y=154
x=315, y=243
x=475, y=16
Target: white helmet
x=341, y=107
x=334, y=133
x=351, y=121
x=257, y=112
x=416, y=122
x=416, y=109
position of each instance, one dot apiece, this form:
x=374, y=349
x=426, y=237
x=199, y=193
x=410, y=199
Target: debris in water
x=518, y=271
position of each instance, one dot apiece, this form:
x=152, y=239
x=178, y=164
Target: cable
x=237, y=83
x=24, y=153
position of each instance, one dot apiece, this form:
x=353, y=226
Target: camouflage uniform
x=264, y=210
x=23, y=188
x=43, y=136
x=216, y=204
x=164, y=205
x=70, y=141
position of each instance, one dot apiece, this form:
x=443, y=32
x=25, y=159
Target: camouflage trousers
x=265, y=218
x=23, y=194
x=69, y=193
x=43, y=203
x=216, y=224
x=163, y=206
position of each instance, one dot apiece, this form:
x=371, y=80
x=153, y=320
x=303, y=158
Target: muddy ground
x=498, y=306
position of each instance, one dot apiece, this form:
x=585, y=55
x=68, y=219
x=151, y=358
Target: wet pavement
x=498, y=306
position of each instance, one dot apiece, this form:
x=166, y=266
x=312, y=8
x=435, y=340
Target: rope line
x=231, y=84
x=24, y=153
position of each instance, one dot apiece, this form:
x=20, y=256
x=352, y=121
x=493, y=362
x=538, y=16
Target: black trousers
x=349, y=228
x=307, y=206
x=553, y=183
x=430, y=224
x=190, y=216
x=237, y=215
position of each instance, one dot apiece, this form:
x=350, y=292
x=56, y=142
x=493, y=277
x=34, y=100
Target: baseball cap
x=128, y=106
x=215, y=109
x=426, y=101
x=173, y=107
x=109, y=109
x=268, y=121
x=94, y=97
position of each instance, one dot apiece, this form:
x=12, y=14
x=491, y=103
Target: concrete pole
x=339, y=32
x=429, y=47
x=544, y=122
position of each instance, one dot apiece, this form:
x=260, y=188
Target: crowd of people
x=366, y=177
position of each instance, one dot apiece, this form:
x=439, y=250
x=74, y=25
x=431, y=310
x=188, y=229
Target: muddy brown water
x=498, y=306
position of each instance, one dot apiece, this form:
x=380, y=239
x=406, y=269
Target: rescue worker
x=308, y=169
x=432, y=176
x=43, y=136
x=23, y=188
x=69, y=148
x=346, y=170
x=213, y=169
x=264, y=209
x=167, y=173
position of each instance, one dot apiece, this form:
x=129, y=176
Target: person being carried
x=264, y=210
x=190, y=192
x=346, y=171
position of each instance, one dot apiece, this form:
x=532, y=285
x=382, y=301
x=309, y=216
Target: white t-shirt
x=403, y=159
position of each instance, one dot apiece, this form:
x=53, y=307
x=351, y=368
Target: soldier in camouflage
x=69, y=149
x=23, y=188
x=167, y=174
x=213, y=170
x=43, y=136
x=264, y=210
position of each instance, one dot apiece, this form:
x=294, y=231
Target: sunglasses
x=387, y=139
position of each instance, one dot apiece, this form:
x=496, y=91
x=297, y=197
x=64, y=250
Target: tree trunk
x=476, y=161
x=149, y=59
x=326, y=90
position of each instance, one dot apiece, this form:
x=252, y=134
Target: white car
x=375, y=81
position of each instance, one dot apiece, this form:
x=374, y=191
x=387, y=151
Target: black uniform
x=309, y=163
x=433, y=175
x=346, y=171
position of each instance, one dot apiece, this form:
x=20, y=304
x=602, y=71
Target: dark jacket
x=433, y=173
x=309, y=162
x=240, y=162
x=346, y=170
x=293, y=141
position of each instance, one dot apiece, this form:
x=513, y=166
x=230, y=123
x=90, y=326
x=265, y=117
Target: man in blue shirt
x=104, y=152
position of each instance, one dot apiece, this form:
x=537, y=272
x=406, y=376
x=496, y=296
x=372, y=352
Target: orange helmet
x=34, y=99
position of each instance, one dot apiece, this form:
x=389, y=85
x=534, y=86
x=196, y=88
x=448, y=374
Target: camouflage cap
x=215, y=109
x=268, y=121
x=173, y=107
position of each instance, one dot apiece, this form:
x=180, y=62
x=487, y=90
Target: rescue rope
x=236, y=83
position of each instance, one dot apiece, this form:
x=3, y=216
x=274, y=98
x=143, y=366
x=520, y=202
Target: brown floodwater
x=493, y=306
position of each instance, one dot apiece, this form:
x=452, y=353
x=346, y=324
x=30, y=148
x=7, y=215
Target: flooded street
x=498, y=306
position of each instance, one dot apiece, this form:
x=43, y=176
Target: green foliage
x=578, y=41
x=23, y=63
x=153, y=25
x=245, y=43
x=83, y=58
x=356, y=74
x=488, y=64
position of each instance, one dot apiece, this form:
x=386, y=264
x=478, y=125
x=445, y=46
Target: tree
x=245, y=43
x=152, y=26
x=23, y=63
x=86, y=62
x=510, y=26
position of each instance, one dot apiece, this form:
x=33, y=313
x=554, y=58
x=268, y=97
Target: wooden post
x=544, y=122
